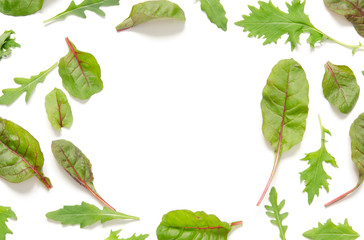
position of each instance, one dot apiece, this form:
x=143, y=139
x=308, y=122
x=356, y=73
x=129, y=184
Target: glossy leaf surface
x=331, y=231
x=85, y=215
x=7, y=42
x=58, y=109
x=5, y=214
x=80, y=73
x=274, y=211
x=151, y=10
x=114, y=235
x=20, y=7
x=20, y=154
x=215, y=12
x=340, y=87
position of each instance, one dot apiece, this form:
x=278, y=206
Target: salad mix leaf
x=7, y=42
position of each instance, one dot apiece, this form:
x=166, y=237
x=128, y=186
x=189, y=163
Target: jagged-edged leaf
x=80, y=73
x=114, y=235
x=5, y=214
x=7, y=42
x=151, y=10
x=215, y=12
x=274, y=211
x=20, y=7
x=58, y=109
x=187, y=225
x=85, y=215
x=26, y=85
x=20, y=154
x=331, y=231
x=77, y=165
x=284, y=109
x=79, y=10
x=340, y=87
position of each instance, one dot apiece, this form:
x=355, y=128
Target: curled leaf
x=58, y=109
x=7, y=42
x=20, y=7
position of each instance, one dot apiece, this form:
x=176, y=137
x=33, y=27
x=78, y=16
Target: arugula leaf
x=340, y=87
x=215, y=12
x=6, y=43
x=187, y=225
x=114, y=235
x=5, y=214
x=26, y=85
x=274, y=211
x=330, y=231
x=80, y=73
x=85, y=215
x=150, y=10
x=20, y=154
x=271, y=23
x=58, y=109
x=20, y=7
x=284, y=109
x=79, y=10
x=315, y=176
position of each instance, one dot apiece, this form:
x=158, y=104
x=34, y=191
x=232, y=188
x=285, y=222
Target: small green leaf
x=6, y=43
x=215, y=12
x=58, y=109
x=20, y=7
x=85, y=215
x=330, y=231
x=5, y=214
x=114, y=235
x=274, y=211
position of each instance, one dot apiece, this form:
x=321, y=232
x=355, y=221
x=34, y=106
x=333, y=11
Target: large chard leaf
x=331, y=231
x=340, y=87
x=151, y=10
x=20, y=7
x=187, y=225
x=26, y=85
x=80, y=73
x=215, y=12
x=85, y=215
x=5, y=214
x=58, y=109
x=20, y=154
x=7, y=42
x=79, y=10
x=274, y=211
x=77, y=165
x=284, y=109
x=114, y=235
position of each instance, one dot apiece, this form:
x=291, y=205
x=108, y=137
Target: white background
x=178, y=124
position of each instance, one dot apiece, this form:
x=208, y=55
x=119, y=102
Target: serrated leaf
x=215, y=12
x=340, y=87
x=330, y=231
x=58, y=109
x=20, y=154
x=7, y=42
x=274, y=211
x=79, y=10
x=114, y=235
x=20, y=7
x=151, y=10
x=26, y=85
x=5, y=214
x=80, y=73
x=85, y=215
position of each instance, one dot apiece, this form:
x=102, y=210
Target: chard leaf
x=5, y=214
x=80, y=73
x=20, y=7
x=7, y=42
x=85, y=215
x=20, y=154
x=187, y=225
x=151, y=10
x=215, y=12
x=58, y=109
x=340, y=87
x=315, y=176
x=274, y=211
x=284, y=109
x=79, y=10
x=26, y=85
x=114, y=235
x=77, y=165
x=330, y=231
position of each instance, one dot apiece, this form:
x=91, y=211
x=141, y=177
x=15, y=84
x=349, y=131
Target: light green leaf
x=274, y=211
x=26, y=85
x=20, y=7
x=5, y=214
x=6, y=43
x=151, y=10
x=330, y=231
x=85, y=215
x=114, y=235
x=215, y=12
x=58, y=109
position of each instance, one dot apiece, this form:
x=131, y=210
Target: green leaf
x=20, y=7
x=215, y=12
x=85, y=215
x=80, y=73
x=284, y=109
x=151, y=10
x=315, y=176
x=26, y=85
x=5, y=214
x=114, y=235
x=330, y=231
x=274, y=211
x=340, y=87
x=58, y=109
x=187, y=225
x=20, y=154
x=7, y=42
x=79, y=10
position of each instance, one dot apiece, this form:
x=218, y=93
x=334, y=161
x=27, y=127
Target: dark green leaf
x=330, y=231
x=274, y=211
x=5, y=214
x=20, y=7
x=58, y=109
x=215, y=12
x=7, y=42
x=114, y=235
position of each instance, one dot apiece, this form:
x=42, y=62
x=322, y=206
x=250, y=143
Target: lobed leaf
x=58, y=109
x=5, y=214
x=215, y=12
x=330, y=231
x=114, y=235
x=274, y=211
x=20, y=7
x=7, y=42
